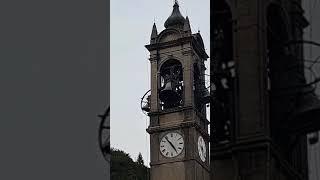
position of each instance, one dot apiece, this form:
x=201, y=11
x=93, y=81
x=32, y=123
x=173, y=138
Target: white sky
x=131, y=24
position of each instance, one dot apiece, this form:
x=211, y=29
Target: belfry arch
x=223, y=74
x=276, y=63
x=171, y=84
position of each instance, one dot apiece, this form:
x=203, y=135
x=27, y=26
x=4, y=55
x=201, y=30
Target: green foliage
x=140, y=159
x=124, y=168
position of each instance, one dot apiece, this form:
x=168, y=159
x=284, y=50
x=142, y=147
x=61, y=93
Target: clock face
x=202, y=149
x=171, y=145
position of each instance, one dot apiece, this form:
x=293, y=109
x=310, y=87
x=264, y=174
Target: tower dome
x=175, y=19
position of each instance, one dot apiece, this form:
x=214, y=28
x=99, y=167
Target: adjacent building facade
x=262, y=107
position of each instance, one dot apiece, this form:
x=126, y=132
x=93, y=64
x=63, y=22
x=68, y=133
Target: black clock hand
x=171, y=144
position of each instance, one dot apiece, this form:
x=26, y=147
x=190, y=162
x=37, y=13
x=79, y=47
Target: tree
x=124, y=168
x=142, y=171
x=140, y=159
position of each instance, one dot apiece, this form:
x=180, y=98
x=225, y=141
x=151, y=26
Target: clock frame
x=202, y=149
x=171, y=144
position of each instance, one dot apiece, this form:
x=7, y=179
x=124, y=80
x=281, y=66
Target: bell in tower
x=171, y=84
x=293, y=100
x=176, y=103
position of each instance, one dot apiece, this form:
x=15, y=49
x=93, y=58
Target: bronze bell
x=169, y=94
x=296, y=100
x=305, y=118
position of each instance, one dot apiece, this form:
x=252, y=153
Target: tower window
x=171, y=84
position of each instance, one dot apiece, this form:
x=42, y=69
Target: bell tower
x=177, y=102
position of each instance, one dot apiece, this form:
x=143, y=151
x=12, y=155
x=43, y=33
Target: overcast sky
x=131, y=25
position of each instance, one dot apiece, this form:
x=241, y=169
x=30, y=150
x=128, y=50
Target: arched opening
x=293, y=104
x=283, y=76
x=200, y=91
x=277, y=67
x=171, y=84
x=223, y=77
x=286, y=79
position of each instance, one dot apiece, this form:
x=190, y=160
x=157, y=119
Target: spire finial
x=176, y=3
x=175, y=19
x=186, y=26
x=154, y=33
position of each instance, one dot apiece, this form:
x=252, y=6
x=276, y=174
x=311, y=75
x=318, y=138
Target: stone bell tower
x=177, y=104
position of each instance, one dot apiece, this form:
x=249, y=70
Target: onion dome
x=176, y=19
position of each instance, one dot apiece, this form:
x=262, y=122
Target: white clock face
x=171, y=145
x=202, y=149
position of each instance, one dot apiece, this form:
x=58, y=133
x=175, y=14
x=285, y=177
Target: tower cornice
x=184, y=40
